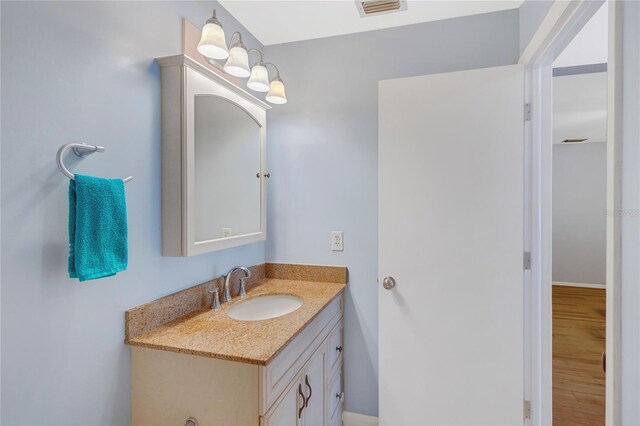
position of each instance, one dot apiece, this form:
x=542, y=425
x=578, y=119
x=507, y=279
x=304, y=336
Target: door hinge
x=527, y=410
x=527, y=112
x=527, y=260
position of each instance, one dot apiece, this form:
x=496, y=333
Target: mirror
x=227, y=158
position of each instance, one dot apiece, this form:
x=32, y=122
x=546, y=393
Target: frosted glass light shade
x=213, y=43
x=238, y=62
x=259, y=80
x=276, y=93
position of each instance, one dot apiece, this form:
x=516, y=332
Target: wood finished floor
x=578, y=342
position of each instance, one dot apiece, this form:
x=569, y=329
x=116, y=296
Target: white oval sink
x=265, y=307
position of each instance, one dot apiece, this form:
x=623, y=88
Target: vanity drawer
x=335, y=348
x=334, y=399
x=279, y=372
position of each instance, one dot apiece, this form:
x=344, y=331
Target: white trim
x=584, y=285
x=545, y=132
x=561, y=24
x=354, y=419
x=539, y=303
x=528, y=294
x=184, y=60
x=614, y=222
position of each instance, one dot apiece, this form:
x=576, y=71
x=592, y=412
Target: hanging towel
x=97, y=227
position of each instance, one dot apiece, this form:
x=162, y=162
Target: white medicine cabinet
x=213, y=161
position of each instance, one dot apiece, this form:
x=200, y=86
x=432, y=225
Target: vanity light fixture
x=212, y=43
x=259, y=79
x=238, y=62
x=276, y=93
x=213, y=46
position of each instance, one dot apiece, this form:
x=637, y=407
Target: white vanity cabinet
x=301, y=385
x=314, y=398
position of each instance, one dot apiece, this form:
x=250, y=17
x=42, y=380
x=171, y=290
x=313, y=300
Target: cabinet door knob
x=304, y=401
x=340, y=396
x=306, y=381
x=339, y=348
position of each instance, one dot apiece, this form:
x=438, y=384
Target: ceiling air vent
x=379, y=7
x=574, y=140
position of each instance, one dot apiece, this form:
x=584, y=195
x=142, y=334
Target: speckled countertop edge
x=213, y=334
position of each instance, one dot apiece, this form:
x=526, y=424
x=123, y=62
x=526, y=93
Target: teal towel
x=97, y=227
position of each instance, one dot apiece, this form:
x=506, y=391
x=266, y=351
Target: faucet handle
x=215, y=304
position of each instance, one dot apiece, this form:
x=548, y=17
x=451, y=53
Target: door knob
x=388, y=283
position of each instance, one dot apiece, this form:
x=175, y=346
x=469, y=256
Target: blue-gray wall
x=579, y=219
x=83, y=72
x=323, y=154
x=532, y=13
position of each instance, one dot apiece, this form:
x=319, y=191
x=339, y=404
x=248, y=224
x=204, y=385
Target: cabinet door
x=289, y=410
x=334, y=400
x=313, y=380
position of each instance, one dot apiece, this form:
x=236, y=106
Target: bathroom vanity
x=188, y=360
x=258, y=360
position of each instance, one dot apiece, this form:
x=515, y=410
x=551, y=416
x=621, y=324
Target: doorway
x=579, y=226
x=579, y=243
x=564, y=24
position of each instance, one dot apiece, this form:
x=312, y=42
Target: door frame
x=561, y=24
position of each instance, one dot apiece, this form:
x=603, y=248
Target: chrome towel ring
x=81, y=150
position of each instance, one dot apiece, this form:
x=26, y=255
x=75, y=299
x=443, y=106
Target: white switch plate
x=226, y=232
x=336, y=241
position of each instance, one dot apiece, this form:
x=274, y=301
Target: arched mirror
x=227, y=169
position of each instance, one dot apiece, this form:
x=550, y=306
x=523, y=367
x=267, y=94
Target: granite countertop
x=212, y=333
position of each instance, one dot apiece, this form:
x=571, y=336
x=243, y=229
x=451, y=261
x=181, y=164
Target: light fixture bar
x=214, y=48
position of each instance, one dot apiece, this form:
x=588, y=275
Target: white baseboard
x=587, y=285
x=355, y=419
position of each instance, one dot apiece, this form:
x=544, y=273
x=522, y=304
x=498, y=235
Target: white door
x=451, y=235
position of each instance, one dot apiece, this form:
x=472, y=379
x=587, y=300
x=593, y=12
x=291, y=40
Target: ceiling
x=274, y=22
x=580, y=107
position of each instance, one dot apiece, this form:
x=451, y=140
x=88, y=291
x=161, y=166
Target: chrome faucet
x=226, y=292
